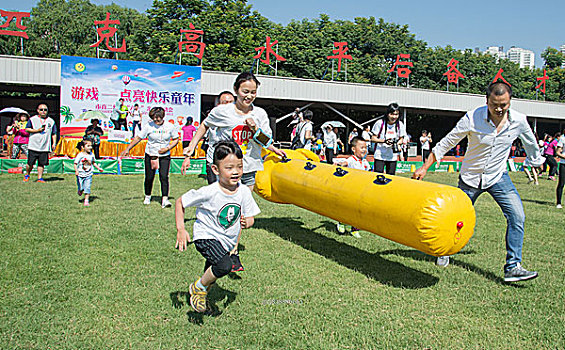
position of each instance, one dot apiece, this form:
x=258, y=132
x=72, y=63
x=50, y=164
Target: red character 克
x=106, y=32
x=18, y=16
x=453, y=74
x=542, y=82
x=269, y=48
x=340, y=53
x=402, y=72
x=192, y=45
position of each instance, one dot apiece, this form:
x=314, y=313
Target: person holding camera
x=388, y=134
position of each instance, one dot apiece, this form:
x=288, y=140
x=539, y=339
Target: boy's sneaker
x=552, y=178
x=41, y=180
x=166, y=204
x=86, y=204
x=559, y=206
x=197, y=298
x=26, y=178
x=355, y=233
x=147, y=200
x=442, y=261
x=519, y=273
x=340, y=227
x=236, y=263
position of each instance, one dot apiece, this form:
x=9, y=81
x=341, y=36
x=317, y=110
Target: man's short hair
x=499, y=88
x=356, y=140
x=307, y=114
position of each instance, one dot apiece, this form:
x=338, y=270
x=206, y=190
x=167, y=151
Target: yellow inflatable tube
x=435, y=219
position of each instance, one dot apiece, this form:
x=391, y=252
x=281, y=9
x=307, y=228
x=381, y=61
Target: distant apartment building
x=563, y=52
x=496, y=51
x=525, y=58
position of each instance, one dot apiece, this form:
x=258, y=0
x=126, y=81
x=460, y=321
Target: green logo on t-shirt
x=229, y=215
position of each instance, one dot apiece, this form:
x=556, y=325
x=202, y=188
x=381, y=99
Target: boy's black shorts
x=42, y=158
x=211, y=249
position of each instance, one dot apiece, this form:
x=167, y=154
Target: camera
x=395, y=147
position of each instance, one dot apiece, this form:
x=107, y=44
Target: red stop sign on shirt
x=241, y=134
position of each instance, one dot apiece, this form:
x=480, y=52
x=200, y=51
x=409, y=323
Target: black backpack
x=296, y=143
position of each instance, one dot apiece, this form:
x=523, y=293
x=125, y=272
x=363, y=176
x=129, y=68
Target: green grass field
x=108, y=277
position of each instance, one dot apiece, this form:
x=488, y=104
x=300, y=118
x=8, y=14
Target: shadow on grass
x=153, y=199
x=90, y=199
x=216, y=295
x=417, y=255
x=53, y=179
x=371, y=265
x=535, y=201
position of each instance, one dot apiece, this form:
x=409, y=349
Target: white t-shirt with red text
x=225, y=124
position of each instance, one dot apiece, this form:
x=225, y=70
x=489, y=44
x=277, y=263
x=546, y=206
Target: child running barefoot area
x=222, y=210
x=84, y=162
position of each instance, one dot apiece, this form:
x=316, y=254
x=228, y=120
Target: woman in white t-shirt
x=161, y=139
x=136, y=115
x=388, y=134
x=240, y=121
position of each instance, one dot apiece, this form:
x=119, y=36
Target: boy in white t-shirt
x=223, y=209
x=356, y=161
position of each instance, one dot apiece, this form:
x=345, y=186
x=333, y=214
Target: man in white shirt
x=42, y=141
x=490, y=131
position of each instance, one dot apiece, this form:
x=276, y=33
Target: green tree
x=552, y=57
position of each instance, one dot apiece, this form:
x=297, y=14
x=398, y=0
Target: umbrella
x=13, y=110
x=333, y=124
x=92, y=115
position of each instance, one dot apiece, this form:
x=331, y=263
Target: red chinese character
x=269, y=47
x=499, y=76
x=138, y=95
x=403, y=72
x=453, y=74
x=340, y=51
x=107, y=32
x=192, y=45
x=18, y=16
x=77, y=93
x=542, y=82
x=151, y=97
x=126, y=95
x=92, y=94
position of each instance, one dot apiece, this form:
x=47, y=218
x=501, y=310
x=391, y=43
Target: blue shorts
x=84, y=183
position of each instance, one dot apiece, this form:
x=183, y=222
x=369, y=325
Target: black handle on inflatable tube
x=339, y=172
x=285, y=159
x=381, y=180
x=309, y=166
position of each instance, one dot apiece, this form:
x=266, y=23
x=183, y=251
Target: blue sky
x=532, y=25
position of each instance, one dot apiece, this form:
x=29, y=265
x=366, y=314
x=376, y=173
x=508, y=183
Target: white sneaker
x=559, y=206
x=147, y=200
x=166, y=204
x=442, y=261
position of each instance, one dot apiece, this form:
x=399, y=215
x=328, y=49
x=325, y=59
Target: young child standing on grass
x=222, y=210
x=84, y=162
x=356, y=161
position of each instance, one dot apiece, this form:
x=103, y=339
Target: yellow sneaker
x=198, y=298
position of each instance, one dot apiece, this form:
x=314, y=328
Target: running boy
x=84, y=162
x=222, y=210
x=356, y=161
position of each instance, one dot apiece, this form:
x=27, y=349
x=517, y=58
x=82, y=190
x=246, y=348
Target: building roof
x=47, y=72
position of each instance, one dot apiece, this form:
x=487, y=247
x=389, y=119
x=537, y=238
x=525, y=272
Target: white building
x=496, y=51
x=525, y=58
x=563, y=52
